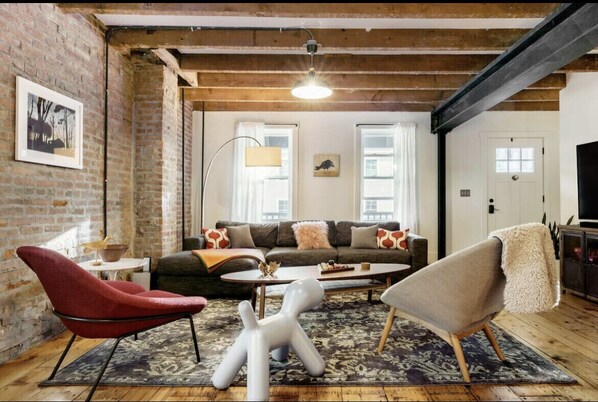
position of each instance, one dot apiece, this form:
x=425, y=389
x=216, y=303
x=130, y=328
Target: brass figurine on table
x=96, y=246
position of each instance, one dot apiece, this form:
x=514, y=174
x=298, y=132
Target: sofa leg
x=387, y=328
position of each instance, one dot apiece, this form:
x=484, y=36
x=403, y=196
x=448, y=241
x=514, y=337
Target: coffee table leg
x=253, y=296
x=388, y=281
x=262, y=300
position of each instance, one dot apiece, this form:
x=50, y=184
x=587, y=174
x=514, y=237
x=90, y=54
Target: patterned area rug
x=345, y=329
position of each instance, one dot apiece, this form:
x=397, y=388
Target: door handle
x=491, y=209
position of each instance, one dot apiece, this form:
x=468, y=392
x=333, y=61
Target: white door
x=515, y=182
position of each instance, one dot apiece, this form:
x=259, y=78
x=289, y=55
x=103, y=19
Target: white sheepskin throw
x=530, y=268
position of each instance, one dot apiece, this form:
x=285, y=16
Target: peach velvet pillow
x=311, y=235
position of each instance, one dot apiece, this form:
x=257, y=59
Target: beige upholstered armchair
x=453, y=297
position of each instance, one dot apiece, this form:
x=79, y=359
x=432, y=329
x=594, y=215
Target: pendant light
x=311, y=87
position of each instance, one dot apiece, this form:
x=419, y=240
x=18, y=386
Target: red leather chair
x=92, y=308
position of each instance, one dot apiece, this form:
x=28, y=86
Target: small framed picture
x=327, y=165
x=49, y=127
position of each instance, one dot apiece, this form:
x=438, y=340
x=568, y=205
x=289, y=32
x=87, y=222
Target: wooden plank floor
x=568, y=336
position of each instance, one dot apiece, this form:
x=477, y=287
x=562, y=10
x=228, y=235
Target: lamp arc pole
x=205, y=180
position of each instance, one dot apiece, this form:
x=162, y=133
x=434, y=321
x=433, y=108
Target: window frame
x=293, y=164
x=360, y=173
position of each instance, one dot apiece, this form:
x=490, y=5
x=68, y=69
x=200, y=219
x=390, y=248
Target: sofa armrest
x=194, y=243
x=418, y=247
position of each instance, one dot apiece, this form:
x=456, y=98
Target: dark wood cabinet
x=579, y=260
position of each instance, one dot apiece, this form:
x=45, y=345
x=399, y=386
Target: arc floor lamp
x=254, y=157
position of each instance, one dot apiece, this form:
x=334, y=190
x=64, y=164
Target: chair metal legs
x=194, y=338
x=66, y=350
x=105, y=365
x=95, y=385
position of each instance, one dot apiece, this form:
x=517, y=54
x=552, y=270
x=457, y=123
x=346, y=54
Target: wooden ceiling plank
x=307, y=106
x=331, y=40
x=336, y=81
x=357, y=64
x=284, y=95
x=358, y=82
x=566, y=35
x=353, y=96
x=357, y=107
x=526, y=106
x=336, y=64
x=321, y=10
x=171, y=61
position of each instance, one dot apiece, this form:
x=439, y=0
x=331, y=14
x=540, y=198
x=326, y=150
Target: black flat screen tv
x=587, y=182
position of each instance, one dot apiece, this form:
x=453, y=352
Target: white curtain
x=247, y=182
x=406, y=191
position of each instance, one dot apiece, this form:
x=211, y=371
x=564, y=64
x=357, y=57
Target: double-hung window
x=265, y=194
x=278, y=181
x=377, y=173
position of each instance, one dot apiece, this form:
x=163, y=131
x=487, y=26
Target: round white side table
x=114, y=269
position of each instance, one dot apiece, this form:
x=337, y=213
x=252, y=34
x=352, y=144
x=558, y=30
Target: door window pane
x=514, y=160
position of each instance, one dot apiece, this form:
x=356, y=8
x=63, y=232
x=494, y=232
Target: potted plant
x=554, y=233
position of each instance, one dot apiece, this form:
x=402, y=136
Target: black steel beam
x=441, y=193
x=567, y=34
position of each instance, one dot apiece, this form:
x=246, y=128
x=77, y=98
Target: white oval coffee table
x=286, y=275
x=114, y=269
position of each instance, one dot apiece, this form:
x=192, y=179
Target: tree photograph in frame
x=327, y=165
x=49, y=127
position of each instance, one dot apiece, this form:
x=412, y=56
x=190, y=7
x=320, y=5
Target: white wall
x=319, y=132
x=466, y=216
x=579, y=124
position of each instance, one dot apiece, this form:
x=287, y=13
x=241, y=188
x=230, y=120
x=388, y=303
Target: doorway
x=515, y=181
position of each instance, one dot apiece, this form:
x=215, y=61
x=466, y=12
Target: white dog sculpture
x=276, y=334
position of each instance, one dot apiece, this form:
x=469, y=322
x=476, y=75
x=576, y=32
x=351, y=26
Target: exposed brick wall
x=188, y=110
x=157, y=111
x=51, y=206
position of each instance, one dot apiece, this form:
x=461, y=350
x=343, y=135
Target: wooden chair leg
x=460, y=357
x=387, y=328
x=493, y=342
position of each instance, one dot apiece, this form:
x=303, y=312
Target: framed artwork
x=327, y=165
x=49, y=126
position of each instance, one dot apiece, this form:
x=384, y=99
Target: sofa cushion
x=286, y=235
x=348, y=255
x=263, y=234
x=216, y=238
x=392, y=239
x=343, y=230
x=364, y=237
x=311, y=235
x=291, y=256
x=240, y=237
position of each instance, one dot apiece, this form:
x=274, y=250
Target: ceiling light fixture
x=311, y=87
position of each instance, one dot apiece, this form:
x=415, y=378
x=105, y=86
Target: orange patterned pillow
x=389, y=240
x=216, y=238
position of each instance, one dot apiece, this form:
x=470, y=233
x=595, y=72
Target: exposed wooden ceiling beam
x=171, y=61
x=332, y=40
x=355, y=107
x=527, y=106
x=356, y=64
x=322, y=10
x=313, y=106
x=357, y=82
x=337, y=64
x=564, y=36
x=351, y=96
